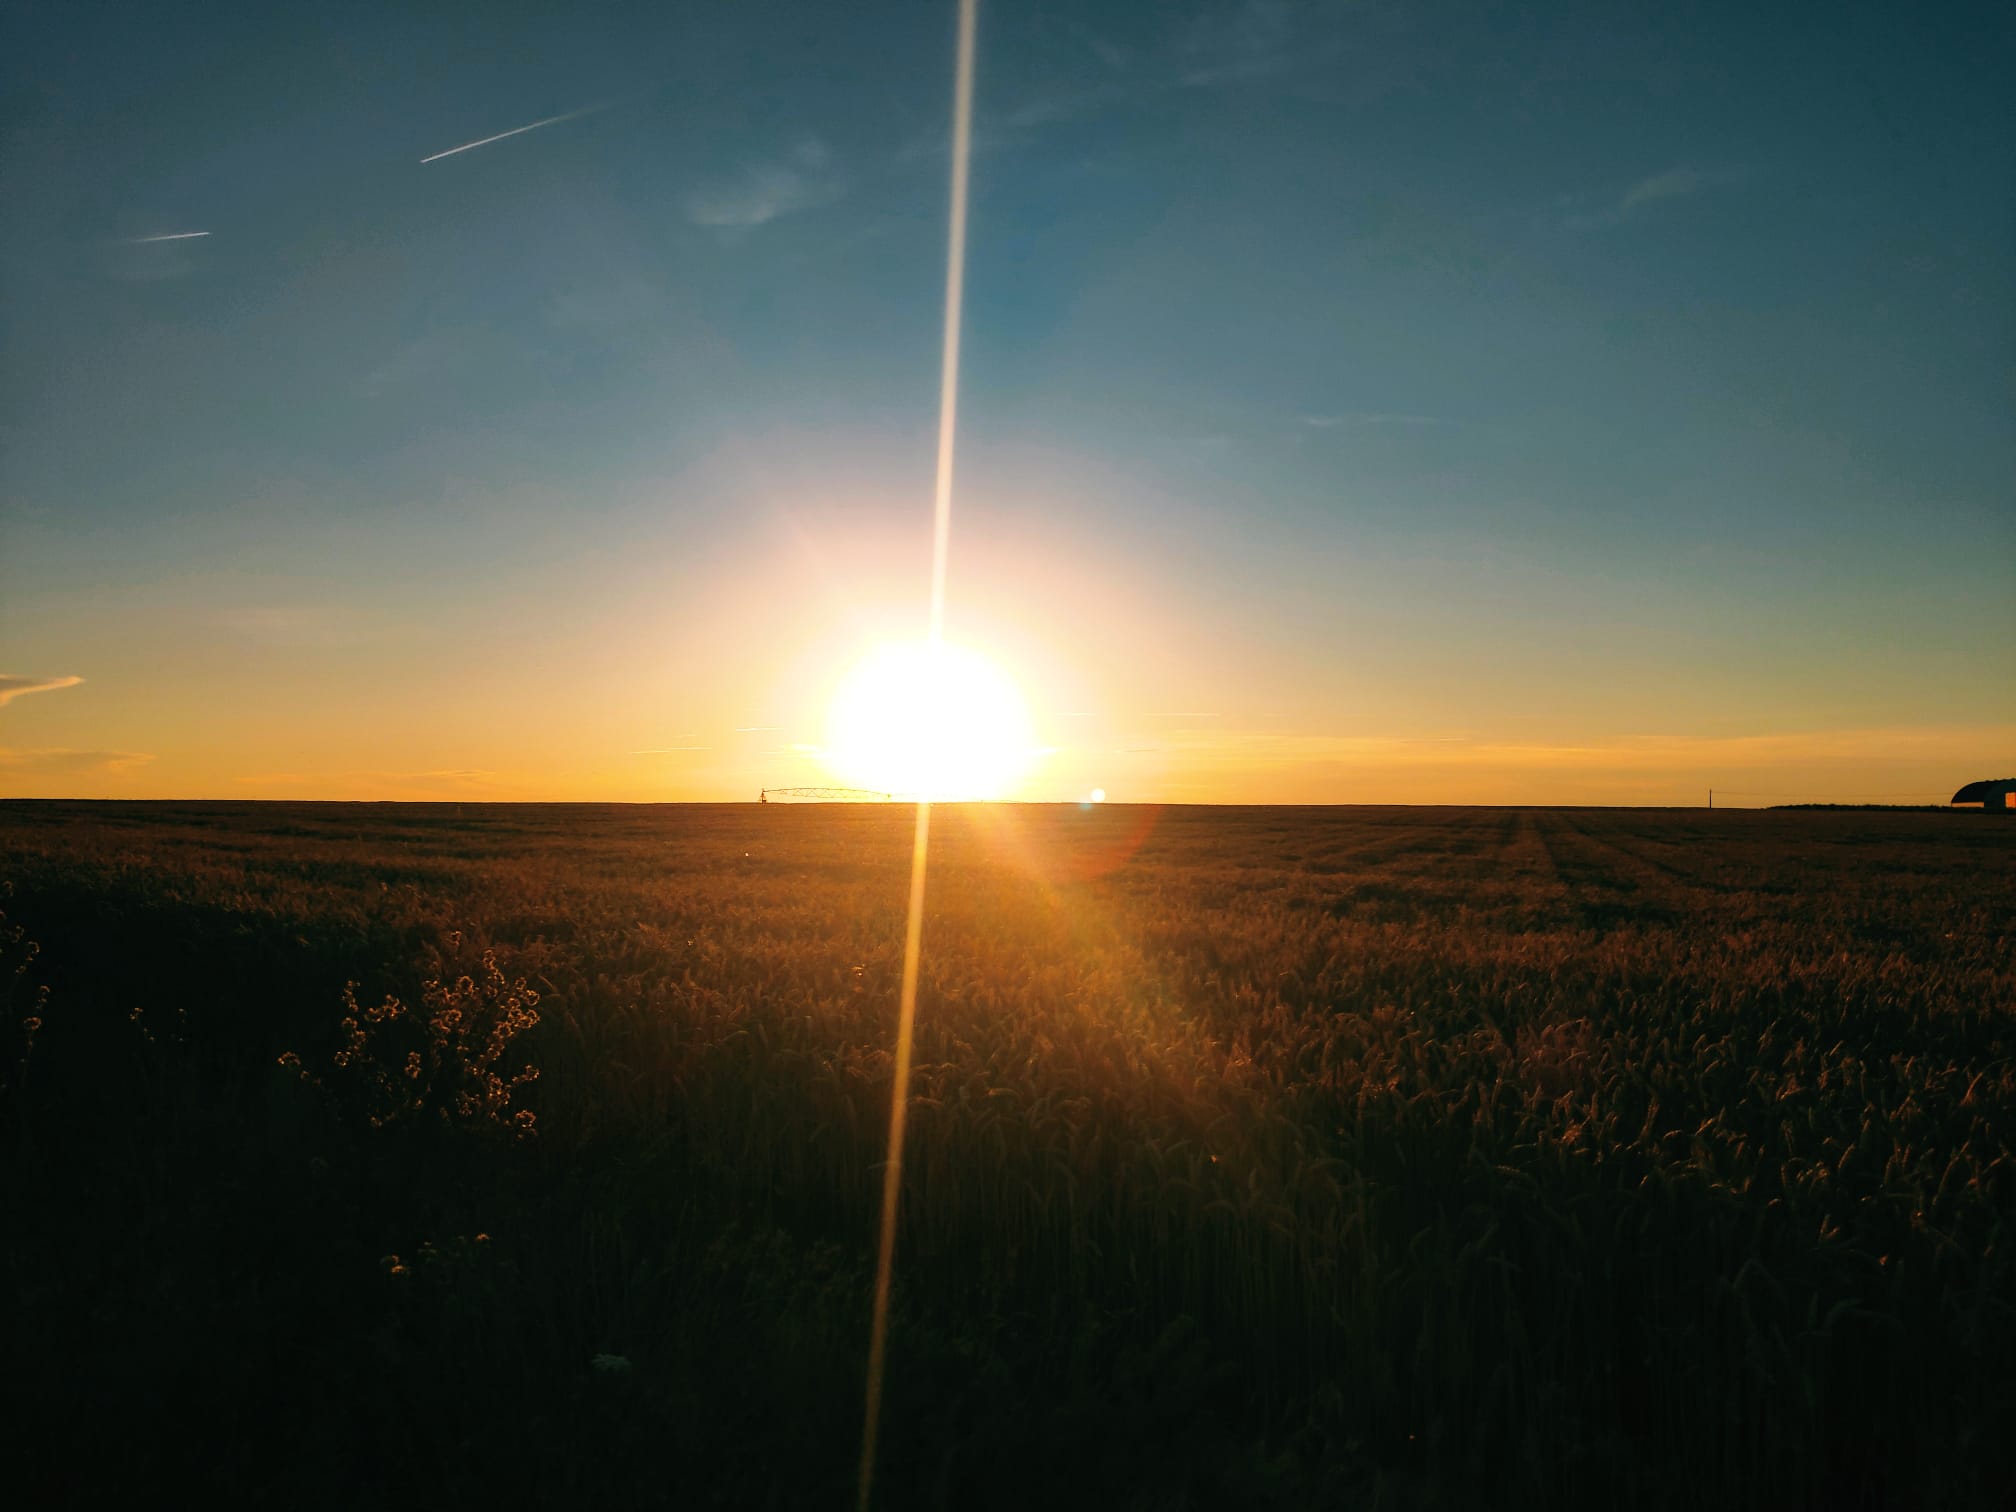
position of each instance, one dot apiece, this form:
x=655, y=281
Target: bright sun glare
x=922, y=721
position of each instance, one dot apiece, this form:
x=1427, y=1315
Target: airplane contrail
x=515, y=131
x=141, y=241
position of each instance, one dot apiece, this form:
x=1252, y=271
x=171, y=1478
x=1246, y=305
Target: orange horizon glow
x=600, y=689
x=1004, y=742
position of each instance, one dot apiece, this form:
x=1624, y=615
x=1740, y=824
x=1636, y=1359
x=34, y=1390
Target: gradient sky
x=1362, y=403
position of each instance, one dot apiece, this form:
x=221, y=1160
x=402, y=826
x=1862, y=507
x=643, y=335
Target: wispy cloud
x=1108, y=52
x=450, y=782
x=804, y=178
x=12, y=687
x=1353, y=419
x=1671, y=184
x=1064, y=105
x=1250, y=40
x=619, y=304
x=1218, y=46
x=58, y=761
x=1591, y=213
x=427, y=356
x=166, y=236
x=669, y=750
x=325, y=625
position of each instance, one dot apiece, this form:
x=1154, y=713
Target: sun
x=929, y=721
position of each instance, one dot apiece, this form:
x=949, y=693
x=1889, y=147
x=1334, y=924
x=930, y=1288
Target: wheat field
x=369, y=1155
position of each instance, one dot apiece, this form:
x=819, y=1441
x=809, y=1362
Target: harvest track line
x=1669, y=873
x=1531, y=855
x=1372, y=848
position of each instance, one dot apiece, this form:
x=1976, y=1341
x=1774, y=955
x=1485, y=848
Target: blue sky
x=1552, y=379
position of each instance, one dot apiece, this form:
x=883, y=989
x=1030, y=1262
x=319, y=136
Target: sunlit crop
x=1371, y=1157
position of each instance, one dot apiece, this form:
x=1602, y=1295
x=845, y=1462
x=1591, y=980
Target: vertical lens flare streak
x=913, y=932
x=955, y=301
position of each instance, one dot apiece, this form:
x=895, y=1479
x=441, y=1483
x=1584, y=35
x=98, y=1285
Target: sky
x=1382, y=402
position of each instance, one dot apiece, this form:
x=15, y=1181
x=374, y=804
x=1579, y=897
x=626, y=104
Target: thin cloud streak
x=1668, y=185
x=374, y=782
x=12, y=687
x=1654, y=189
x=59, y=761
x=141, y=241
x=1361, y=418
x=572, y=115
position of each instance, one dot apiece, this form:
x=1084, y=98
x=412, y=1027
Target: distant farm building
x=1996, y=793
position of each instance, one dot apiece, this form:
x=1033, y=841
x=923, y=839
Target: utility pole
x=1711, y=798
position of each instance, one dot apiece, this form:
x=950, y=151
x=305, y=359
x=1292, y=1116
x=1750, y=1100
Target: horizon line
x=1942, y=805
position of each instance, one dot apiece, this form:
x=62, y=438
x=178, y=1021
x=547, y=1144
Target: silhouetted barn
x=1996, y=793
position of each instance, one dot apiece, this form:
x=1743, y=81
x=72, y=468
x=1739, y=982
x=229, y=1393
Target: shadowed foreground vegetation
x=1343, y=1158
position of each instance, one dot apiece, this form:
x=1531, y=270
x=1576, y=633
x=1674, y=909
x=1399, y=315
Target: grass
x=1395, y=1158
